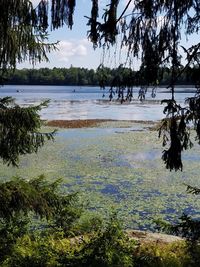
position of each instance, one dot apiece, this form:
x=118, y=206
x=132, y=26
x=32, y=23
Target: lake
x=76, y=102
x=113, y=166
x=116, y=168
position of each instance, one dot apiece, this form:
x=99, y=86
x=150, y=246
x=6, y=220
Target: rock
x=148, y=237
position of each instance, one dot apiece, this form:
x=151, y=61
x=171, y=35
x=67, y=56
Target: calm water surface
x=75, y=102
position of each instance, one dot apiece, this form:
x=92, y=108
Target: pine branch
x=20, y=131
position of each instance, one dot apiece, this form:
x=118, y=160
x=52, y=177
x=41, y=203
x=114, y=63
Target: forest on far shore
x=84, y=76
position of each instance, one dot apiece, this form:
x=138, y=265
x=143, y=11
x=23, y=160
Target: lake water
x=110, y=167
x=75, y=102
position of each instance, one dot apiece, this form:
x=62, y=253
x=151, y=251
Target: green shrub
x=107, y=247
x=163, y=255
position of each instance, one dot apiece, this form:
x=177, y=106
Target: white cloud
x=131, y=5
x=35, y=2
x=72, y=49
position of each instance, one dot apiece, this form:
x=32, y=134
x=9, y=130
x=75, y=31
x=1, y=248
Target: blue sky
x=74, y=48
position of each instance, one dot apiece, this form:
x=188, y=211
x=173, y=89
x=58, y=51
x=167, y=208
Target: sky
x=74, y=48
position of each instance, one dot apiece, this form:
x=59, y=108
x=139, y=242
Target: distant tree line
x=84, y=76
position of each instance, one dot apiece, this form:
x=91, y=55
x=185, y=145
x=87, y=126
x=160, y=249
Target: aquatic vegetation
x=116, y=168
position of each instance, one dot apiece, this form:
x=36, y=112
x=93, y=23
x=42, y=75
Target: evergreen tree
x=153, y=32
x=19, y=130
x=23, y=35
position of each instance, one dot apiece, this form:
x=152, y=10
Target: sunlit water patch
x=75, y=102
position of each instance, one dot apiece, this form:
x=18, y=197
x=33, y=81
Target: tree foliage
x=102, y=76
x=23, y=35
x=109, y=246
x=24, y=29
x=19, y=130
x=20, y=197
x=153, y=33
x=23, y=202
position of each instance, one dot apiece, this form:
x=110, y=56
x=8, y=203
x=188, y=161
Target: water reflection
x=88, y=103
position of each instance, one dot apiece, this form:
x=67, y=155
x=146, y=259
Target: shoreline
x=89, y=123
